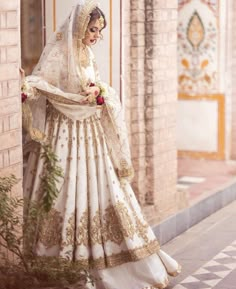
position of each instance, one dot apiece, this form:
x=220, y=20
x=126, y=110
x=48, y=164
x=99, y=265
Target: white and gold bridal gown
x=95, y=217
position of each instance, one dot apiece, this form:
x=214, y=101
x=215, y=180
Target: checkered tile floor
x=214, y=271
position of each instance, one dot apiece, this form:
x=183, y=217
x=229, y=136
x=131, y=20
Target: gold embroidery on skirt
x=70, y=231
x=50, y=229
x=82, y=230
x=115, y=225
x=113, y=260
x=95, y=231
x=118, y=224
x=141, y=226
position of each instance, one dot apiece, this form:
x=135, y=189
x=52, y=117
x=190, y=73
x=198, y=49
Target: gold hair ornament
x=101, y=22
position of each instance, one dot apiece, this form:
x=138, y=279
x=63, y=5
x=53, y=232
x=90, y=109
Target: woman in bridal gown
x=96, y=218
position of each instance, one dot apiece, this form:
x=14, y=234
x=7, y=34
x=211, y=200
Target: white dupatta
x=58, y=78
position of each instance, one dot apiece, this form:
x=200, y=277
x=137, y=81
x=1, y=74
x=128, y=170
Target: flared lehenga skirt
x=95, y=221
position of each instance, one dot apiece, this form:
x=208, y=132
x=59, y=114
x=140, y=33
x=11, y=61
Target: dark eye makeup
x=93, y=29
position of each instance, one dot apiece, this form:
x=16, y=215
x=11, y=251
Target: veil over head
x=60, y=61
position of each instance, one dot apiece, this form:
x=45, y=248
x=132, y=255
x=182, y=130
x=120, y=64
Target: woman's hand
x=93, y=90
x=22, y=73
x=90, y=95
x=85, y=100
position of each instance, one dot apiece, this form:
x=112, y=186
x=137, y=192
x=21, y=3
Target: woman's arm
x=34, y=86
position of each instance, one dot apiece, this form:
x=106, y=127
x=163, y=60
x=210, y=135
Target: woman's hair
x=96, y=14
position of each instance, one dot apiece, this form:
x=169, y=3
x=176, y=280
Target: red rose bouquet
x=99, y=99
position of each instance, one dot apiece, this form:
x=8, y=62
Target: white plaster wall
x=197, y=126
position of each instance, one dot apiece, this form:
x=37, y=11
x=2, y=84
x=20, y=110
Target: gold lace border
x=158, y=285
x=175, y=273
x=122, y=257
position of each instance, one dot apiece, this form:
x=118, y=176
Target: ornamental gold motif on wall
x=198, y=47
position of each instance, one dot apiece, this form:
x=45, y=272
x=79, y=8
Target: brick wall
x=151, y=103
x=10, y=104
x=134, y=82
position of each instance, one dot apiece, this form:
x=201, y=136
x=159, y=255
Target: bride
x=96, y=219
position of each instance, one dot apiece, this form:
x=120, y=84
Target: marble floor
x=207, y=253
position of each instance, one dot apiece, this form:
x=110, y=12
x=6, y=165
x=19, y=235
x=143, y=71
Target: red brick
x=9, y=71
x=9, y=105
x=3, y=20
x=6, y=160
x=15, y=121
x=9, y=37
x=9, y=5
x=15, y=155
x=3, y=55
x=10, y=139
x=12, y=53
x=12, y=19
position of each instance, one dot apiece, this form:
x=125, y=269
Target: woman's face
x=92, y=33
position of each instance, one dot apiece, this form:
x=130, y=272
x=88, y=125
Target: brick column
x=10, y=104
x=151, y=104
x=160, y=106
x=134, y=58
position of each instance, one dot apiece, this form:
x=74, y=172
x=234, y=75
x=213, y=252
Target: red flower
x=23, y=97
x=91, y=84
x=100, y=100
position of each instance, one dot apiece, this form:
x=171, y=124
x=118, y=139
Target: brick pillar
x=151, y=104
x=134, y=57
x=160, y=106
x=10, y=104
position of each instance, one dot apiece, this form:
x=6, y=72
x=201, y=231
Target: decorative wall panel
x=198, y=46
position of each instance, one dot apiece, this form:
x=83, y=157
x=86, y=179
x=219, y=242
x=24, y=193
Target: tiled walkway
x=201, y=178
x=207, y=253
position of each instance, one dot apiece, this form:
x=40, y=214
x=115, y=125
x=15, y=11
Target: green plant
x=30, y=269
x=10, y=217
x=52, y=173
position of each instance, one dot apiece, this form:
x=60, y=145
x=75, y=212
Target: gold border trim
x=117, y=259
x=220, y=153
